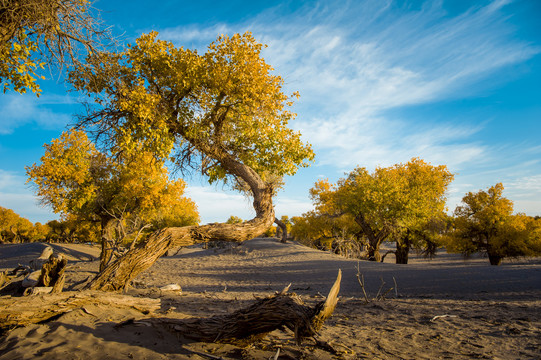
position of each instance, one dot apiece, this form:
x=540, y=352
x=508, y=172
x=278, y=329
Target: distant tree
x=395, y=203
x=39, y=33
x=13, y=227
x=234, y=220
x=76, y=179
x=485, y=222
x=40, y=232
x=325, y=232
x=283, y=227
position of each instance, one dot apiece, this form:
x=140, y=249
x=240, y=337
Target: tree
x=340, y=233
x=222, y=112
x=234, y=220
x=485, y=223
x=76, y=179
x=283, y=227
x=394, y=203
x=14, y=228
x=36, y=33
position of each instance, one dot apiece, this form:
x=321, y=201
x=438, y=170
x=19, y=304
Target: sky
x=453, y=82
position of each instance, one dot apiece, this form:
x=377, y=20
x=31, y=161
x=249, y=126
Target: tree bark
x=374, y=239
x=403, y=244
x=52, y=273
x=22, y=311
x=118, y=274
x=283, y=228
x=107, y=242
x=258, y=319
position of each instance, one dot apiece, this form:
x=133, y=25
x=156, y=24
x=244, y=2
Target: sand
x=444, y=308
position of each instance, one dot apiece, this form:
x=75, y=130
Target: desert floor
x=444, y=308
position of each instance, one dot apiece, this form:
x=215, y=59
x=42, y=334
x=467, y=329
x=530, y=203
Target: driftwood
x=22, y=311
x=51, y=276
x=52, y=273
x=255, y=321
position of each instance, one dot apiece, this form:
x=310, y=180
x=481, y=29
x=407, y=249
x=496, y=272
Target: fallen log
x=22, y=311
x=255, y=321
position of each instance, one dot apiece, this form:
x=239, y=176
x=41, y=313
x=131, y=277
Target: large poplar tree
x=222, y=112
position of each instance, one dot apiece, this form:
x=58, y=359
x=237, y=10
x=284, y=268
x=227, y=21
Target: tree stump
x=52, y=273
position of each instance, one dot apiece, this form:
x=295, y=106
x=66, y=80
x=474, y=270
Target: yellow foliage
x=485, y=222
x=75, y=178
x=223, y=104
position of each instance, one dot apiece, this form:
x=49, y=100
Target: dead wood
x=243, y=326
x=52, y=273
x=22, y=311
x=255, y=321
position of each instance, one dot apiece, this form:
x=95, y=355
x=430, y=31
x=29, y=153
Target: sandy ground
x=445, y=308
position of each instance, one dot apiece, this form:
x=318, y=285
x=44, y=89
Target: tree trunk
x=374, y=239
x=22, y=311
x=495, y=259
x=403, y=244
x=402, y=253
x=283, y=228
x=52, y=273
x=373, y=252
x=107, y=242
x=118, y=274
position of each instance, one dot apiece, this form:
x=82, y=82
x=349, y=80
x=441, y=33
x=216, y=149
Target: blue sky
x=453, y=82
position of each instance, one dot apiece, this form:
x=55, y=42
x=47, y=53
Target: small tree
x=76, y=179
x=391, y=203
x=234, y=220
x=485, y=223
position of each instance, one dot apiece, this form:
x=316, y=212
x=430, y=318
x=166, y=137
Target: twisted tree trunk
x=374, y=238
x=107, y=242
x=118, y=274
x=283, y=229
x=255, y=321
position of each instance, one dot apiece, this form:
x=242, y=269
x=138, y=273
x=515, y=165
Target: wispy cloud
x=20, y=109
x=353, y=61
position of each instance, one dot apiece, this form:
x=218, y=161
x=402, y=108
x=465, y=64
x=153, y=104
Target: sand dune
x=443, y=308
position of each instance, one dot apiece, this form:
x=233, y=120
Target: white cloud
x=291, y=206
x=216, y=205
x=353, y=61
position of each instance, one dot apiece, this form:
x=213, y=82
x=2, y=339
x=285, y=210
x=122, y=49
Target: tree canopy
x=485, y=222
x=392, y=202
x=74, y=178
x=214, y=109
